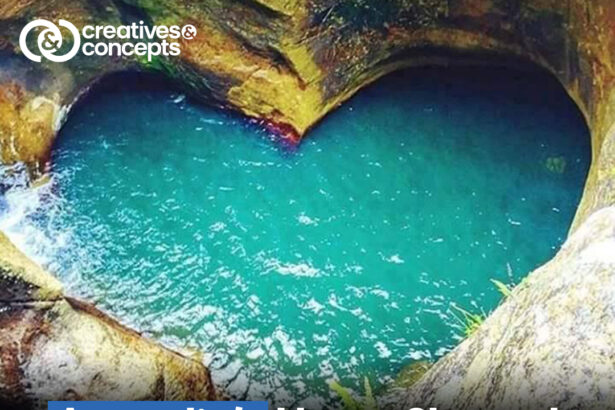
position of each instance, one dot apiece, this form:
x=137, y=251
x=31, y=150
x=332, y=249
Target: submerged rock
x=557, y=165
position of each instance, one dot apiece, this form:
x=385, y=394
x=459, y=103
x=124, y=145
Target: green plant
x=470, y=322
x=350, y=403
x=504, y=289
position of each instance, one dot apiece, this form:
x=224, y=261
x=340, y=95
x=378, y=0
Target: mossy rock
x=412, y=373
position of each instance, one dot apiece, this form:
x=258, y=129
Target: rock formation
x=57, y=348
x=288, y=63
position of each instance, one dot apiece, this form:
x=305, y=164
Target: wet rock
x=57, y=348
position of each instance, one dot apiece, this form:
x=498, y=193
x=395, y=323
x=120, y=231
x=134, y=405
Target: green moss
x=411, y=374
x=360, y=14
x=151, y=7
x=158, y=64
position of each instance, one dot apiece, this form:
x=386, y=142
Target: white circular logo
x=49, y=41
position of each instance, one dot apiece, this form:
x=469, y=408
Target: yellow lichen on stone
x=302, y=61
x=263, y=89
x=288, y=7
x=284, y=102
x=10, y=8
x=28, y=125
x=218, y=52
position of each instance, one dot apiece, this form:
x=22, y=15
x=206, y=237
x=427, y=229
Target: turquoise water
x=333, y=260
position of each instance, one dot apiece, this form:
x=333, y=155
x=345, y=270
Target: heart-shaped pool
x=334, y=260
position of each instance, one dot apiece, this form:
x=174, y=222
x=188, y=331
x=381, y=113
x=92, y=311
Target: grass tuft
x=350, y=403
x=504, y=289
x=470, y=322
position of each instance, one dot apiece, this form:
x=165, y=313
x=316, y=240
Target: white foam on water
x=33, y=217
x=27, y=219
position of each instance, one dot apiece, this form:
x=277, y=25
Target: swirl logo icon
x=49, y=41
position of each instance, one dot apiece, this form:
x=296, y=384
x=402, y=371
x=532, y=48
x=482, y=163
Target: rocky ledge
x=288, y=63
x=54, y=347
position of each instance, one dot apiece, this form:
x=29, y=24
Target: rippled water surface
x=338, y=259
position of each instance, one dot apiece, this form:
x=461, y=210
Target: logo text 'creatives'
x=147, y=41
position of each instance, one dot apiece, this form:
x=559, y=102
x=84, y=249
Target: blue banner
x=158, y=405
